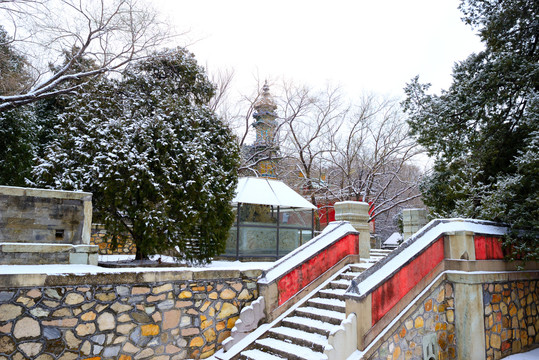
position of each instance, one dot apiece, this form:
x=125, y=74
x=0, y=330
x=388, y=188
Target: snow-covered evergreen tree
x=16, y=125
x=161, y=165
x=483, y=131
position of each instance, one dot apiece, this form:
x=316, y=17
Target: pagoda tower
x=265, y=147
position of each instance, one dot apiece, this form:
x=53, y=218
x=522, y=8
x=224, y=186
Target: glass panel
x=258, y=231
x=258, y=241
x=296, y=218
x=253, y=214
x=289, y=239
x=230, y=249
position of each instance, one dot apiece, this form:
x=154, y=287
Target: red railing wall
x=396, y=287
x=303, y=274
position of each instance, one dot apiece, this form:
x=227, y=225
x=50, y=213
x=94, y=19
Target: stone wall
x=433, y=316
x=43, y=216
x=39, y=226
x=511, y=317
x=161, y=315
x=100, y=238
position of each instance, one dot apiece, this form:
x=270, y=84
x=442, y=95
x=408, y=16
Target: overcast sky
x=363, y=46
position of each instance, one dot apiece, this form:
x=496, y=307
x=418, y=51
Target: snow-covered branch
x=110, y=34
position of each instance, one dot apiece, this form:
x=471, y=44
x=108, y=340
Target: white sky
x=363, y=46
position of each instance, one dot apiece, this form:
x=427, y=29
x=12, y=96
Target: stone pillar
x=459, y=245
x=412, y=221
x=357, y=214
x=469, y=321
x=363, y=310
x=87, y=219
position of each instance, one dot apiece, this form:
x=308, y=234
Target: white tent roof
x=268, y=192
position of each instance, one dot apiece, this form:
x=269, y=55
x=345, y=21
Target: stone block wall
x=44, y=216
x=435, y=315
x=100, y=317
x=39, y=226
x=511, y=317
x=100, y=238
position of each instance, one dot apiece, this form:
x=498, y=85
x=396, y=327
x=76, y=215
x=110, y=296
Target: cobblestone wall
x=99, y=237
x=435, y=315
x=166, y=320
x=511, y=317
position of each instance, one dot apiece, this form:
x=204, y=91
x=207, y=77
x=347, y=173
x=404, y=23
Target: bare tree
x=331, y=150
x=220, y=103
x=109, y=33
x=308, y=119
x=371, y=157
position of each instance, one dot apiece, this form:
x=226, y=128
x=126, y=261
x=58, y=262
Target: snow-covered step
x=350, y=275
x=327, y=303
x=329, y=316
x=316, y=342
x=288, y=350
x=256, y=354
x=359, y=268
x=332, y=293
x=381, y=251
x=309, y=325
x=340, y=284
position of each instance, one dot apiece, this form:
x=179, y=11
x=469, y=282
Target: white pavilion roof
x=264, y=191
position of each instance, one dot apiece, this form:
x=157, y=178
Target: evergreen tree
x=483, y=131
x=161, y=165
x=48, y=110
x=16, y=126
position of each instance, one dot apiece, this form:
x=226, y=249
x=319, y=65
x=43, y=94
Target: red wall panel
x=305, y=273
x=488, y=248
x=394, y=288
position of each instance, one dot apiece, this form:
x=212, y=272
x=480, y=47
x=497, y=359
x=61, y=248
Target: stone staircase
x=378, y=254
x=303, y=334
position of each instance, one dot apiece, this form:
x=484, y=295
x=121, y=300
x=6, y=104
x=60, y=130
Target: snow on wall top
x=268, y=192
x=44, y=193
x=368, y=280
x=334, y=231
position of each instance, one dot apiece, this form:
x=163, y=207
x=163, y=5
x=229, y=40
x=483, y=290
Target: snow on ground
x=61, y=269
x=530, y=355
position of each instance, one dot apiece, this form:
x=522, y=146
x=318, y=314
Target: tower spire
x=266, y=127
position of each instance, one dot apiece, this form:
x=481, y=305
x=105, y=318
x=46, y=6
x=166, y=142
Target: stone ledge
x=34, y=248
x=46, y=248
x=86, y=248
x=45, y=193
x=114, y=278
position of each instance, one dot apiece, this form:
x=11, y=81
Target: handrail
x=372, y=278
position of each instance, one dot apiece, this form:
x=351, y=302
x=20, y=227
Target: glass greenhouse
x=271, y=220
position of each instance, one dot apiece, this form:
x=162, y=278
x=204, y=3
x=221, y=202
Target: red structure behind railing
x=488, y=248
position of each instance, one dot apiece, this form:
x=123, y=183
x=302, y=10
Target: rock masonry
x=435, y=315
x=100, y=238
x=163, y=321
x=511, y=317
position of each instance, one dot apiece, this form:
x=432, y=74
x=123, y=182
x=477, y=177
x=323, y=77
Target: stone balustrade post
x=357, y=214
x=412, y=221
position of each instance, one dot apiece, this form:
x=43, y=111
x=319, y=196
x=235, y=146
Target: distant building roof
x=263, y=191
x=393, y=240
